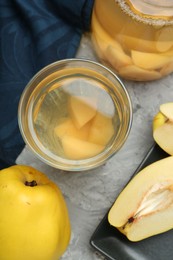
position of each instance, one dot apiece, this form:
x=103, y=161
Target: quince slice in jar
x=167, y=69
x=164, y=39
x=169, y=53
x=135, y=43
x=101, y=38
x=150, y=61
x=117, y=58
x=133, y=72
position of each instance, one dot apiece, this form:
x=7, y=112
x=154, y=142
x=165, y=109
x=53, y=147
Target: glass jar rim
x=132, y=8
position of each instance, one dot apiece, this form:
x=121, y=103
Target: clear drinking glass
x=75, y=114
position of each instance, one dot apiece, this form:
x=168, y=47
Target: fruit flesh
x=159, y=119
x=150, y=61
x=82, y=110
x=167, y=69
x=145, y=207
x=76, y=149
x=101, y=130
x=135, y=73
x=67, y=127
x=117, y=58
x=167, y=110
x=163, y=136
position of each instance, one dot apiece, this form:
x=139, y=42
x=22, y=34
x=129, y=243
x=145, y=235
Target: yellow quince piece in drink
x=101, y=130
x=82, y=110
x=76, y=149
x=67, y=127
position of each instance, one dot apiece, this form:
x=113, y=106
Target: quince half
x=163, y=127
x=145, y=207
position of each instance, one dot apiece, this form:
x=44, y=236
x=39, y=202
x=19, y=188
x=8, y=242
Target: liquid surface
x=76, y=119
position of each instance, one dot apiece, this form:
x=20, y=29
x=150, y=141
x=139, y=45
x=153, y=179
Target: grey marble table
x=90, y=194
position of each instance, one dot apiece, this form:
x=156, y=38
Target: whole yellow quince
x=34, y=221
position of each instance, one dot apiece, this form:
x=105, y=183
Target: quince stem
x=31, y=183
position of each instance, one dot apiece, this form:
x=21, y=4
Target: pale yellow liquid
x=52, y=110
x=139, y=32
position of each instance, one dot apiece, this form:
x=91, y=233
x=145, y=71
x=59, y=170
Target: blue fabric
x=33, y=34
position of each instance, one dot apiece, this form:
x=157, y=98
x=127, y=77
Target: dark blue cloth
x=33, y=34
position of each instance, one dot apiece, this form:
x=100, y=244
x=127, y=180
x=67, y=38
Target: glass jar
x=135, y=38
